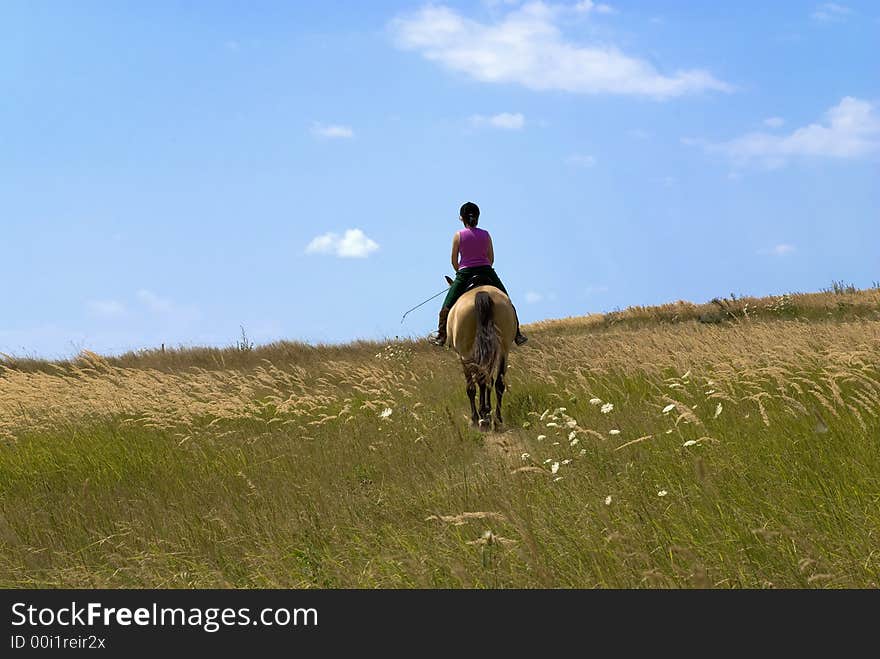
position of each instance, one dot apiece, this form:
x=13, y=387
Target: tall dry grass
x=687, y=454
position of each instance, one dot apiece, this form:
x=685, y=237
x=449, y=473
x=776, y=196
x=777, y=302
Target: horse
x=480, y=328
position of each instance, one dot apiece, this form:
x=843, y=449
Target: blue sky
x=170, y=171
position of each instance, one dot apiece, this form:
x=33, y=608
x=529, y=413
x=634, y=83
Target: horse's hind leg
x=472, y=394
x=499, y=392
x=485, y=402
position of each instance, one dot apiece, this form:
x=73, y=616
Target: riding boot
x=520, y=338
x=440, y=339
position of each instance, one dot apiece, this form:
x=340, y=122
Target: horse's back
x=461, y=325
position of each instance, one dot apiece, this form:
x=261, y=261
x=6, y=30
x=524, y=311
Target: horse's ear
x=448, y=279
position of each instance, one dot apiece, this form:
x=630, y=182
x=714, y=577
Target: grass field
x=729, y=445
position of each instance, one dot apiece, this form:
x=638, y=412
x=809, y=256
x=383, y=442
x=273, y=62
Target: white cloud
x=532, y=297
x=639, y=134
x=155, y=303
x=779, y=250
x=106, y=308
x=505, y=121
x=526, y=46
x=831, y=12
x=588, y=6
x=581, y=160
x=774, y=122
x=167, y=308
x=353, y=244
x=332, y=131
x=851, y=130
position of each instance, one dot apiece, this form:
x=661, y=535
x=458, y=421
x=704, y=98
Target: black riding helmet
x=470, y=213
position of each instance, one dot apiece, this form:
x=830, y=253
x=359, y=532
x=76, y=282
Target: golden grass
x=788, y=361
x=807, y=306
x=686, y=453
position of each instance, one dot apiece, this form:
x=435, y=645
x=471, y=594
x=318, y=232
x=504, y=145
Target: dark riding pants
x=486, y=275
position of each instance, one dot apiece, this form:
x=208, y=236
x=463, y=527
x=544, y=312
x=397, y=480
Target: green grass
x=787, y=498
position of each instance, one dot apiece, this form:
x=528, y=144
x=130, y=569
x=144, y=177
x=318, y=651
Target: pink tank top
x=473, y=245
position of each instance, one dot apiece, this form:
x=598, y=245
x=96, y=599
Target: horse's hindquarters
x=462, y=321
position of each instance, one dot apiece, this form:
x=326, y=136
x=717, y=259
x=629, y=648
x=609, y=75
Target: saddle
x=475, y=280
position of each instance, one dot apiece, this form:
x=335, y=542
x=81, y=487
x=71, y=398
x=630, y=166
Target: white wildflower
x=386, y=413
x=718, y=411
x=557, y=479
x=554, y=467
x=690, y=442
x=595, y=401
x=607, y=407
x=524, y=457
x=608, y=500
x=541, y=438
x=548, y=460
x=573, y=442
x=669, y=432
x=552, y=424
x=583, y=451
x=662, y=493
x=566, y=461
x=615, y=431
x=669, y=408
x=572, y=435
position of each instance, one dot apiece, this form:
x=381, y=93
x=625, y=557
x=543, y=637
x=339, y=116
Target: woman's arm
x=491, y=253
x=455, y=245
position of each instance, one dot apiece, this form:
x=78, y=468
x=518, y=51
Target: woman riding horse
x=472, y=257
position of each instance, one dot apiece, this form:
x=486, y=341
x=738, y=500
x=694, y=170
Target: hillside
x=732, y=444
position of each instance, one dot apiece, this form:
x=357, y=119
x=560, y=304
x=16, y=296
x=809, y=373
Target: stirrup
x=520, y=339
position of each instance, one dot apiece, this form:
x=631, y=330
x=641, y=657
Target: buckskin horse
x=480, y=328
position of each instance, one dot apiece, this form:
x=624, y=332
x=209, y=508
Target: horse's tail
x=487, y=347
